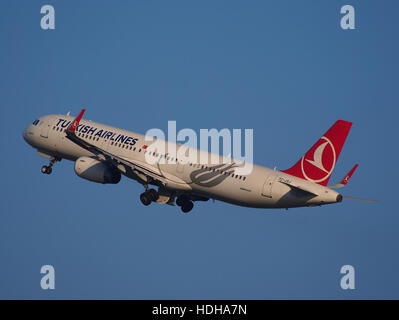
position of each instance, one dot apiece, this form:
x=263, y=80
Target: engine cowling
x=96, y=171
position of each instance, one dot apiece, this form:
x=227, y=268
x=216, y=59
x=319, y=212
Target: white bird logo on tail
x=317, y=157
x=317, y=161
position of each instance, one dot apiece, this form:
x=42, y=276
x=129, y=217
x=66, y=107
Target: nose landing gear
x=49, y=169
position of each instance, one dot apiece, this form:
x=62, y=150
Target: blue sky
x=284, y=68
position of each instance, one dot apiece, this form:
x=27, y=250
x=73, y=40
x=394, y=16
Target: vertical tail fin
x=318, y=163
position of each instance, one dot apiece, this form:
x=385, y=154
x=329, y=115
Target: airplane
x=104, y=154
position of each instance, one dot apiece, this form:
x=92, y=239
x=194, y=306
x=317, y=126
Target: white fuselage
x=262, y=188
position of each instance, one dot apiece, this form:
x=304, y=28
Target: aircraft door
x=268, y=186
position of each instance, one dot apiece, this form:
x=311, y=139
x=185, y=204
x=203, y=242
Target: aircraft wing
x=138, y=168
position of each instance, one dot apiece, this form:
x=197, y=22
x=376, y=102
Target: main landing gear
x=150, y=195
x=48, y=169
x=185, y=203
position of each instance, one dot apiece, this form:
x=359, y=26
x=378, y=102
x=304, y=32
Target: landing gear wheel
x=145, y=199
x=187, y=206
x=180, y=200
x=46, y=169
x=154, y=196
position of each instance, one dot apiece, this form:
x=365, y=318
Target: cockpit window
x=35, y=122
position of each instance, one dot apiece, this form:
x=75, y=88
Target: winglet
x=345, y=180
x=75, y=123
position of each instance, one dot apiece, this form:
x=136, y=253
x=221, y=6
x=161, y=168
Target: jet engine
x=96, y=171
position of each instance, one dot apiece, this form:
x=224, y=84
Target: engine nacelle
x=96, y=171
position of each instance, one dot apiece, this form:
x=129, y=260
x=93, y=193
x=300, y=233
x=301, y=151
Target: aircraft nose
x=27, y=134
x=24, y=134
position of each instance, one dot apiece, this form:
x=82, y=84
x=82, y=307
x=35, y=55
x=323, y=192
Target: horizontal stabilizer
x=360, y=199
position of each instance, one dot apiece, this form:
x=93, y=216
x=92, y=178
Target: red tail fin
x=318, y=163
